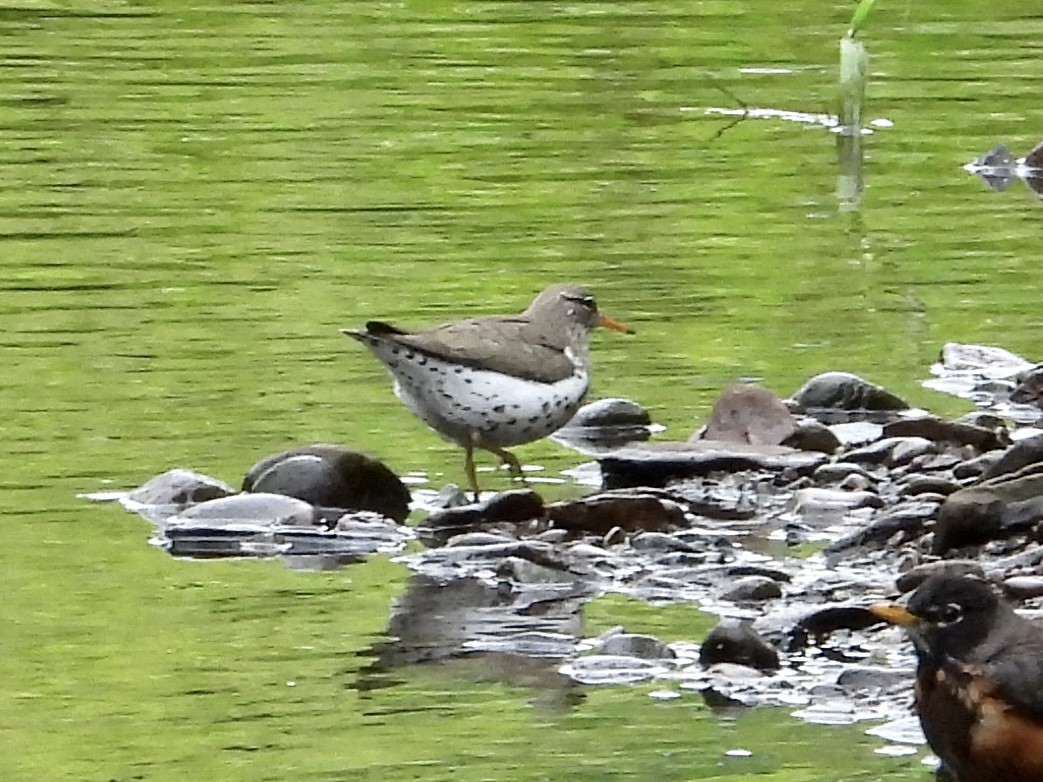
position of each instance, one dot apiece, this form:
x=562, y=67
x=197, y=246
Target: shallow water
x=196, y=198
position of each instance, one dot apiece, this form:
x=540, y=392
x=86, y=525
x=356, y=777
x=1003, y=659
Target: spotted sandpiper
x=495, y=382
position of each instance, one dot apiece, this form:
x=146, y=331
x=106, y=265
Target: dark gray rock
x=814, y=499
x=835, y=472
x=331, y=476
x=611, y=412
x=658, y=464
x=752, y=588
x=891, y=451
x=732, y=641
x=659, y=541
x=606, y=424
x=976, y=467
x=643, y=647
x=812, y=435
x=908, y=520
x=844, y=391
x=1017, y=457
x=996, y=508
x=927, y=484
x=1029, y=390
x=1023, y=587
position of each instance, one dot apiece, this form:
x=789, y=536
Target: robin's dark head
x=947, y=614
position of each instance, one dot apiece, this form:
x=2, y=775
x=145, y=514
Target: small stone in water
x=739, y=753
x=895, y=751
x=664, y=695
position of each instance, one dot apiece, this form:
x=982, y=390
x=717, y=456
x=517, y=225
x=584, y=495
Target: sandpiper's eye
x=584, y=301
x=950, y=614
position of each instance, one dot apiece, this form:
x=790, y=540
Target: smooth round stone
x=331, y=476
x=180, y=487
x=611, y=412
x=259, y=509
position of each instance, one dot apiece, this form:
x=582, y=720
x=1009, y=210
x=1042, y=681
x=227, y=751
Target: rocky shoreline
x=783, y=518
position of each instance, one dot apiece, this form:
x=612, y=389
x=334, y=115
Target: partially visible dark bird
x=979, y=682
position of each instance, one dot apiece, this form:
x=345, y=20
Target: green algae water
x=195, y=198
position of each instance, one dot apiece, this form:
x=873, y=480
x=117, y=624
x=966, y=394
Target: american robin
x=979, y=682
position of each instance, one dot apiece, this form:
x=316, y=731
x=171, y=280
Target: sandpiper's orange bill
x=893, y=613
x=615, y=325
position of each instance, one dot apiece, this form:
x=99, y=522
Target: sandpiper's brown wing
x=509, y=345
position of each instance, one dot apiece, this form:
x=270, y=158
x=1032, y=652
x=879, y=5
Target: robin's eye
x=951, y=614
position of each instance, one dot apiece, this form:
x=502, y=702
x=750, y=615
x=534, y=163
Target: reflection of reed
x=854, y=63
x=436, y=622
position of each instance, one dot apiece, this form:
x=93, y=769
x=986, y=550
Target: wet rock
x=658, y=464
x=774, y=574
x=995, y=508
x=935, y=462
x=716, y=499
x=908, y=520
x=331, y=476
x=449, y=496
x=643, y=647
x=927, y=484
x=629, y=511
x=968, y=517
x=752, y=588
x=892, y=451
x=836, y=472
x=962, y=369
x=259, y=510
x=267, y=525
x=736, y=642
x=747, y=413
x=1029, y=390
x=976, y=467
x=817, y=500
x=522, y=572
x=854, y=433
x=480, y=539
x=605, y=424
x=858, y=483
x=937, y=429
x=513, y=507
x=611, y=412
x=1027, y=559
x=911, y=579
x=1017, y=457
x=660, y=542
x=844, y=391
x=872, y=678
x=908, y=449
x=180, y=487
x=1023, y=587
x=812, y=435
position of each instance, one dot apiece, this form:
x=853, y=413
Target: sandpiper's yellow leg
x=472, y=477
x=509, y=459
